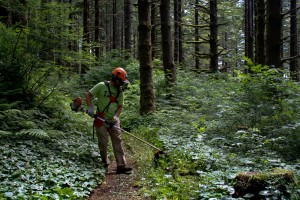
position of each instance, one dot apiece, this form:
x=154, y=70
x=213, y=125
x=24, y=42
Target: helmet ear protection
x=116, y=78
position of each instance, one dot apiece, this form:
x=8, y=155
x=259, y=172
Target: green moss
x=265, y=176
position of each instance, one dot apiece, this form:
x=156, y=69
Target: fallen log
x=255, y=185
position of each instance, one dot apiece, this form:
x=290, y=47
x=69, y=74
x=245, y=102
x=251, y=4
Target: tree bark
x=180, y=42
x=213, y=41
x=114, y=2
x=108, y=29
x=153, y=29
x=259, y=31
x=273, y=33
x=176, y=32
x=86, y=32
x=147, y=99
x=97, y=29
x=127, y=24
x=167, y=47
x=86, y=21
x=249, y=28
x=197, y=48
x=294, y=65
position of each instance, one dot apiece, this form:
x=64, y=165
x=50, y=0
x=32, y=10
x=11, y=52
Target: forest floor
x=118, y=186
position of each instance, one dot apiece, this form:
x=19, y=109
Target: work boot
x=124, y=170
x=106, y=163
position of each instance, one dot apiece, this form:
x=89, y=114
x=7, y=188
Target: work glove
x=115, y=119
x=91, y=111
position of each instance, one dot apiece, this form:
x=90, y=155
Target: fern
x=34, y=133
x=5, y=133
x=12, y=113
x=56, y=134
x=6, y=106
x=27, y=124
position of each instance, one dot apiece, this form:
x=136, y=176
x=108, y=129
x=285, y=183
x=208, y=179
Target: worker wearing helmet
x=109, y=102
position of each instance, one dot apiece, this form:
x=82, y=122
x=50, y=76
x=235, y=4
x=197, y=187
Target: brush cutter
x=158, y=151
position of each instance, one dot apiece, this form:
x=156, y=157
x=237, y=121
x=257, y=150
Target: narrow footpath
x=118, y=186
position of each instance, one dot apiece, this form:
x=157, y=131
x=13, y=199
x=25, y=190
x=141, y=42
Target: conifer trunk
x=249, y=28
x=213, y=41
x=259, y=31
x=167, y=47
x=147, y=99
x=127, y=24
x=294, y=65
x=176, y=32
x=197, y=49
x=97, y=29
x=273, y=33
x=180, y=29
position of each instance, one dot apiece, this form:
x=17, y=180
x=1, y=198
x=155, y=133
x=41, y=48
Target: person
x=109, y=101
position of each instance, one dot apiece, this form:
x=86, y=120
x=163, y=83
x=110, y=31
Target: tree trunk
x=86, y=32
x=176, y=32
x=273, y=33
x=114, y=2
x=260, y=31
x=97, y=29
x=107, y=28
x=197, y=48
x=86, y=21
x=153, y=29
x=127, y=24
x=213, y=41
x=249, y=29
x=147, y=99
x=167, y=47
x=116, y=38
x=294, y=65
x=180, y=42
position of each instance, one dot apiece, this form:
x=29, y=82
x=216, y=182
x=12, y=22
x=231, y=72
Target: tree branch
x=288, y=12
x=289, y=58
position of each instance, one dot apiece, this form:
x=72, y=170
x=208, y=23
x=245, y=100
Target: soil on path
x=118, y=186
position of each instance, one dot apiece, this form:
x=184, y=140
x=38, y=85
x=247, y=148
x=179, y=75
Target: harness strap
x=98, y=123
x=112, y=99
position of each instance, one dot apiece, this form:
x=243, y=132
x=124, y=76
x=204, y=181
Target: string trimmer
x=158, y=150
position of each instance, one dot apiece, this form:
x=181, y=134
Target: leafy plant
x=209, y=135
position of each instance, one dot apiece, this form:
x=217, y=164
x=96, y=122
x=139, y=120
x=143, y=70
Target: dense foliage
x=35, y=58
x=47, y=155
x=216, y=126
x=213, y=127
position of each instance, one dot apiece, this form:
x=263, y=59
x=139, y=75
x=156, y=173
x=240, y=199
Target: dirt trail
x=118, y=186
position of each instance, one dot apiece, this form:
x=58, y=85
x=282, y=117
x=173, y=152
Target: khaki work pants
x=103, y=133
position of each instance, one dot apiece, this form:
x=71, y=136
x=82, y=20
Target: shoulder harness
x=112, y=99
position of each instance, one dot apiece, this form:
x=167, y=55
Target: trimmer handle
x=105, y=121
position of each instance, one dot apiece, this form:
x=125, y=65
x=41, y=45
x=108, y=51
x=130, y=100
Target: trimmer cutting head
x=158, y=153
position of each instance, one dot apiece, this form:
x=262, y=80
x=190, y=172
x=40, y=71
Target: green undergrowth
x=214, y=127
x=48, y=154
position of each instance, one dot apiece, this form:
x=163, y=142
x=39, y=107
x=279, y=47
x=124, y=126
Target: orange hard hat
x=120, y=73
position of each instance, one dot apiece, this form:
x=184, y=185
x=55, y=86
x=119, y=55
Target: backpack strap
x=108, y=87
x=112, y=99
